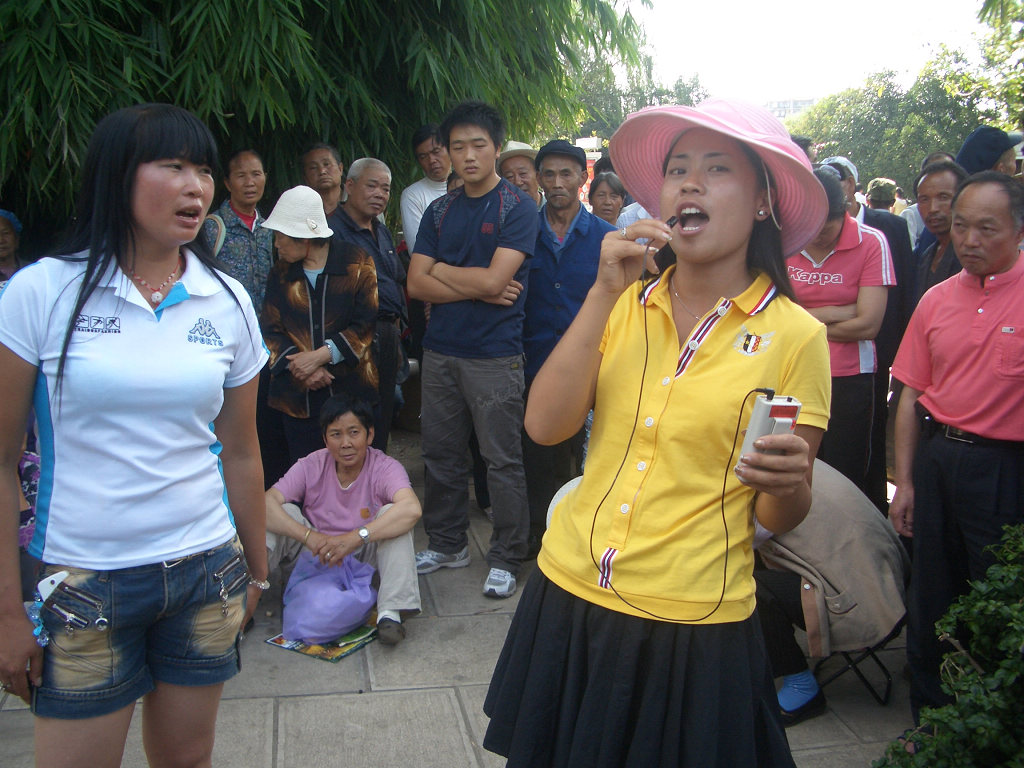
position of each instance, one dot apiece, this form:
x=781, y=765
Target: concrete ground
x=419, y=703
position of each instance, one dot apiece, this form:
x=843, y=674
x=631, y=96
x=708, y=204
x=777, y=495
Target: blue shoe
x=429, y=560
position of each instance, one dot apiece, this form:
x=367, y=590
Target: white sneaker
x=429, y=561
x=500, y=583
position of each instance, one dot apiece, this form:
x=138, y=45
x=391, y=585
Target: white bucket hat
x=299, y=213
x=516, y=149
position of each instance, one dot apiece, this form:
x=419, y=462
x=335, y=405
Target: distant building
x=788, y=107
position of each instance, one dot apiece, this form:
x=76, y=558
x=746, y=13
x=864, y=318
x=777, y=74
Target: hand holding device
x=771, y=416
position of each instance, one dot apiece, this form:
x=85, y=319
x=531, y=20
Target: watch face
x=364, y=534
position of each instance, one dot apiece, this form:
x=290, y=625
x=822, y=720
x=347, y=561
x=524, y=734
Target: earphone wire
x=625, y=456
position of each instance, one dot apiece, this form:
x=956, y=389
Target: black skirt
x=580, y=685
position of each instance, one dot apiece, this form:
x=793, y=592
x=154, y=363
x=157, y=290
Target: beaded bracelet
x=34, y=611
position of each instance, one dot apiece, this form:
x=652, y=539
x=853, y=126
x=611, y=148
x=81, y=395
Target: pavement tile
x=245, y=736
x=16, y=748
x=11, y=703
x=472, y=698
x=271, y=671
x=825, y=730
x=409, y=728
x=441, y=651
x=854, y=756
x=850, y=701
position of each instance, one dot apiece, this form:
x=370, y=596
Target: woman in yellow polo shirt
x=635, y=645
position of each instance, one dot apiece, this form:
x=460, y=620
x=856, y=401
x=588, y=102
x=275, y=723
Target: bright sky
x=766, y=50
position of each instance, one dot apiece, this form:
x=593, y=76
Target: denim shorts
x=113, y=634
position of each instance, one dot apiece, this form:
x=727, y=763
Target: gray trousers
x=459, y=395
x=394, y=559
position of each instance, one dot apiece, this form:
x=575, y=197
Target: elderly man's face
x=561, y=179
x=984, y=234
x=519, y=170
x=321, y=170
x=369, y=194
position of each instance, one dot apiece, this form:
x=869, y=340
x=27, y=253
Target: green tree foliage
x=982, y=728
x=1003, y=52
x=887, y=130
x=604, y=104
x=278, y=74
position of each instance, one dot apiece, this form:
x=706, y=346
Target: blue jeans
x=459, y=395
x=113, y=633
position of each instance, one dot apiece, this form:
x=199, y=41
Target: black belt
x=930, y=426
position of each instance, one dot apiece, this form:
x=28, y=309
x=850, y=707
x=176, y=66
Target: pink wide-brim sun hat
x=640, y=145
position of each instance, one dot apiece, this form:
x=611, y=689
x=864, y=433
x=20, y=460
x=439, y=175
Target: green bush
x=984, y=727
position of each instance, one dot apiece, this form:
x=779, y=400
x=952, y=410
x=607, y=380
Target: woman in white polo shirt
x=140, y=360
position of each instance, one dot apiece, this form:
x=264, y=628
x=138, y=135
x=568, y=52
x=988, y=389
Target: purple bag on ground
x=322, y=603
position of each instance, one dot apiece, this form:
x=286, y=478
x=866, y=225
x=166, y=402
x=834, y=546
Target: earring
x=762, y=212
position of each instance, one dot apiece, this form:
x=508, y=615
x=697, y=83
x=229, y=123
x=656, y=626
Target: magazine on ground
x=332, y=651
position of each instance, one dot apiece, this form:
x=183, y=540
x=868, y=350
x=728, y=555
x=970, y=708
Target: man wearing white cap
x=515, y=165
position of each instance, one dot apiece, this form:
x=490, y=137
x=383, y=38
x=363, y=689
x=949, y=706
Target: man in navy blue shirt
x=470, y=263
x=562, y=269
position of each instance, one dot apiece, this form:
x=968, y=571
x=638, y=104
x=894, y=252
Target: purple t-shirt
x=313, y=484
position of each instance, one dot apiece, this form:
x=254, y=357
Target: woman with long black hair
x=140, y=360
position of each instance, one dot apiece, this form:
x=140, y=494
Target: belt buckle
x=952, y=433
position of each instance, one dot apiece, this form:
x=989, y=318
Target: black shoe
x=390, y=632
x=812, y=708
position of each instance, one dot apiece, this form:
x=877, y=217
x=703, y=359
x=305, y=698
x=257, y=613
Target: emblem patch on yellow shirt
x=749, y=344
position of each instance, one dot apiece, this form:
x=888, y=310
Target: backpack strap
x=506, y=202
x=441, y=209
x=218, y=241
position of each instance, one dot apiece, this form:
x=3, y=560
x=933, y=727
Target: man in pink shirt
x=960, y=420
x=354, y=500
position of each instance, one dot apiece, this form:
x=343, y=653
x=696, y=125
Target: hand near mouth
x=623, y=259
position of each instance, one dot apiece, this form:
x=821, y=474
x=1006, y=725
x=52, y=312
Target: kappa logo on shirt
x=97, y=324
x=798, y=275
x=203, y=332
x=487, y=228
x=750, y=344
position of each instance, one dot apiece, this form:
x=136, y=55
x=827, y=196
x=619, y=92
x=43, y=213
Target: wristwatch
x=364, y=534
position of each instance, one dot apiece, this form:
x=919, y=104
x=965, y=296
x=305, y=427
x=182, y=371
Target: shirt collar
x=1009, y=277
x=197, y=280
x=757, y=296
x=579, y=222
x=849, y=237
x=350, y=222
